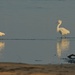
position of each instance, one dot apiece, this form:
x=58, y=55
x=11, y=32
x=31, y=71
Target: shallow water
x=38, y=51
x=30, y=28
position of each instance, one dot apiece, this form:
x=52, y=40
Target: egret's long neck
x=58, y=27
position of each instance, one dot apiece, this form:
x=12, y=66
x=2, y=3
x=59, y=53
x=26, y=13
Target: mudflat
x=36, y=69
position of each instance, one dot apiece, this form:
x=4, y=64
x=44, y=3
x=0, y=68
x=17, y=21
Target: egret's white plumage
x=2, y=34
x=63, y=31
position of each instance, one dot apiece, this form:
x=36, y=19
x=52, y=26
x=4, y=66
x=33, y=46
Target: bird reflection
x=2, y=45
x=62, y=45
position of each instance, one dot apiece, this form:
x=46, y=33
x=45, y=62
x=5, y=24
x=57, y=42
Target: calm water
x=30, y=27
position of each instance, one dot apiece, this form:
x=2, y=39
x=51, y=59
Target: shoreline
x=10, y=68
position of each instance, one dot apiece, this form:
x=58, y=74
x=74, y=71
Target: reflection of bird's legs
x=63, y=36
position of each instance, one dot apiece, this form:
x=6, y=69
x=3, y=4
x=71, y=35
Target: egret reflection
x=62, y=45
x=2, y=45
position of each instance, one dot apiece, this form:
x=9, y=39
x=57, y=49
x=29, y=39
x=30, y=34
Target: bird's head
x=60, y=22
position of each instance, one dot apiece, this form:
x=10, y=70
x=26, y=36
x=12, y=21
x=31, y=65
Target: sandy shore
x=32, y=69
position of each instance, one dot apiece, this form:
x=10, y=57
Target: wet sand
x=32, y=69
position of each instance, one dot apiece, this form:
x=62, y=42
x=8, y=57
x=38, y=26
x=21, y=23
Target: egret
x=2, y=34
x=61, y=30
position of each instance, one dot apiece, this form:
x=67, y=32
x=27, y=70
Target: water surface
x=30, y=28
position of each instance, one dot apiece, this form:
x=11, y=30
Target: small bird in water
x=2, y=34
x=61, y=30
x=72, y=56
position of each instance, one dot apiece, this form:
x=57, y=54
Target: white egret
x=61, y=30
x=2, y=34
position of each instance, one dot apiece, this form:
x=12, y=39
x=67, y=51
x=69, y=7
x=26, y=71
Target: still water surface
x=30, y=28
x=38, y=51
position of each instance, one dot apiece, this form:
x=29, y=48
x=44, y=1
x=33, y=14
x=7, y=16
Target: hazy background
x=36, y=18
